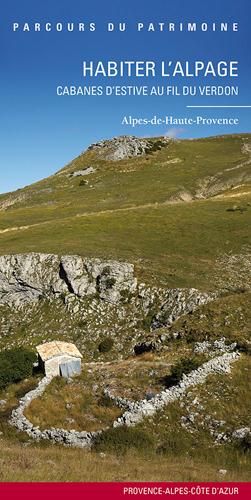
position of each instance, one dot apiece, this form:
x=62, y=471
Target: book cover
x=125, y=257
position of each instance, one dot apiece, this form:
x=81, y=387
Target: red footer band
x=125, y=491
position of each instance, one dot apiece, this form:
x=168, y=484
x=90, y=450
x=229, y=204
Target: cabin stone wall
x=65, y=366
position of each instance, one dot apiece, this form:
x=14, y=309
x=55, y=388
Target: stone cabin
x=59, y=358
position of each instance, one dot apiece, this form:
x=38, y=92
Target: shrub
x=126, y=295
x=106, y=271
x=15, y=365
x=183, y=367
x=236, y=208
x=120, y=439
x=197, y=335
x=244, y=346
x=83, y=182
x=106, y=345
x=176, y=443
x=105, y=279
x=105, y=401
x=155, y=146
x=82, y=323
x=245, y=443
x=148, y=320
x=110, y=282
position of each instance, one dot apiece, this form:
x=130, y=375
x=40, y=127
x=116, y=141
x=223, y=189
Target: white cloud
x=173, y=132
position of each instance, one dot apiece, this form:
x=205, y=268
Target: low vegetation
x=122, y=439
x=183, y=367
x=15, y=365
x=55, y=463
x=229, y=316
x=106, y=345
x=77, y=407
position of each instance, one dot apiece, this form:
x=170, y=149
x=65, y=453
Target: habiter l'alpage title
x=168, y=69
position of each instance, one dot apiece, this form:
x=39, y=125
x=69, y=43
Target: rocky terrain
x=124, y=147
x=101, y=297
x=26, y=278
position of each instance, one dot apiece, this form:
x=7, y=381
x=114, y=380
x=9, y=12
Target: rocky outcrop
x=12, y=199
x=90, y=276
x=178, y=302
x=241, y=433
x=25, y=278
x=121, y=147
x=83, y=172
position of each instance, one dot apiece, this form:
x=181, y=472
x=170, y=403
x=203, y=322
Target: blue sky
x=41, y=132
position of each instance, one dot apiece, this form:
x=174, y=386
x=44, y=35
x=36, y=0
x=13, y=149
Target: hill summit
x=126, y=146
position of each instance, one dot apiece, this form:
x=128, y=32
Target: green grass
x=81, y=404
x=125, y=212
x=133, y=182
x=11, y=396
x=223, y=398
x=182, y=241
x=229, y=316
x=55, y=463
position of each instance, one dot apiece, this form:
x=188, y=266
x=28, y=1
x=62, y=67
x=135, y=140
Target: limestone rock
x=241, y=433
x=24, y=278
x=135, y=412
x=177, y=302
x=121, y=147
x=83, y=172
x=222, y=472
x=90, y=276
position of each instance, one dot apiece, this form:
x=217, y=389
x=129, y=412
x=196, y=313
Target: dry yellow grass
x=80, y=405
x=55, y=463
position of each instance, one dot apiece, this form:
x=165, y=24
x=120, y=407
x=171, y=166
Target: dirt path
x=89, y=214
x=121, y=210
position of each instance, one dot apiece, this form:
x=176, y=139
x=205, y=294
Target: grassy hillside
x=134, y=209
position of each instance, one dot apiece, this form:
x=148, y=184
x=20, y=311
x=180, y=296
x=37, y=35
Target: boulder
x=83, y=172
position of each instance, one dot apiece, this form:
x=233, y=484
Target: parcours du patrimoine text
x=153, y=69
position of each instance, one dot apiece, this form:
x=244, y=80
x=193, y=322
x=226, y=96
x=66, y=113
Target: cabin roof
x=57, y=348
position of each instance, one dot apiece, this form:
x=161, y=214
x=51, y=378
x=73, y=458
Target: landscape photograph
x=125, y=314
x=125, y=249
